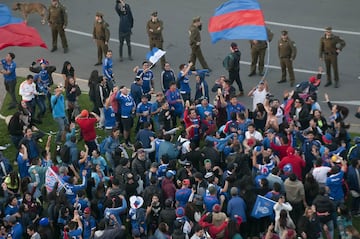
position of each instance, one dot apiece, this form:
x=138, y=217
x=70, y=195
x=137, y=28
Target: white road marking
x=310, y=28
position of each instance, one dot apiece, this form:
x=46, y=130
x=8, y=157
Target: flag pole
x=267, y=59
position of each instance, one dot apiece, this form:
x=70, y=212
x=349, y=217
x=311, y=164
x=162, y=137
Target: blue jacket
x=107, y=68
x=116, y=211
x=236, y=206
x=126, y=18
x=58, y=106
x=334, y=182
x=71, y=190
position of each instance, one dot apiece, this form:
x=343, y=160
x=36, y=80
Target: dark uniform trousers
x=331, y=60
x=158, y=43
x=102, y=49
x=257, y=56
x=285, y=62
x=235, y=76
x=196, y=53
x=57, y=29
x=124, y=37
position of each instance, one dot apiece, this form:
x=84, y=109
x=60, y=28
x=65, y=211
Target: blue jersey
x=9, y=67
x=107, y=68
x=184, y=83
x=89, y=224
x=127, y=104
x=23, y=166
x=41, y=87
x=204, y=110
x=144, y=108
x=172, y=97
x=234, y=108
x=44, y=77
x=334, y=182
x=147, y=77
x=110, y=119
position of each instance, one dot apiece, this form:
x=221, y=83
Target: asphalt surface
x=303, y=19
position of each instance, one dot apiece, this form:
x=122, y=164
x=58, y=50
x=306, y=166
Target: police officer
x=330, y=47
x=154, y=29
x=258, y=50
x=126, y=24
x=195, y=40
x=101, y=35
x=57, y=19
x=287, y=54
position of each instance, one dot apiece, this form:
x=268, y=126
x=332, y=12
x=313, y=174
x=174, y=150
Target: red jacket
x=212, y=230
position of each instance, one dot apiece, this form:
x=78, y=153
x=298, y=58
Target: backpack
x=64, y=153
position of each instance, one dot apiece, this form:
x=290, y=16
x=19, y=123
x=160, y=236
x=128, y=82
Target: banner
x=51, y=178
x=238, y=19
x=263, y=207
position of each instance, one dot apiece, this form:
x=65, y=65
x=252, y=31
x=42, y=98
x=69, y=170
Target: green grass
x=50, y=125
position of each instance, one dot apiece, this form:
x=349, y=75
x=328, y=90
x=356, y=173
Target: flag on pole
x=154, y=55
x=263, y=207
x=15, y=32
x=238, y=19
x=51, y=178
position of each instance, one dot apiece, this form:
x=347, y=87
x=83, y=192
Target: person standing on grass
x=87, y=127
x=9, y=72
x=58, y=111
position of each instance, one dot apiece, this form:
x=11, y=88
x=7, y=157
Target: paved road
x=303, y=19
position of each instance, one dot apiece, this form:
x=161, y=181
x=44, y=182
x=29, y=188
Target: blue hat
x=357, y=140
x=180, y=212
x=170, y=173
x=44, y=222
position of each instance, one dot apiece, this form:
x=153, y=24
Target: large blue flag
x=15, y=32
x=263, y=207
x=238, y=19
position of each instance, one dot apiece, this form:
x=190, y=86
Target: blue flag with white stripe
x=154, y=55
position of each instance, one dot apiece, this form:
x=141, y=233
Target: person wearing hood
x=232, y=64
x=297, y=163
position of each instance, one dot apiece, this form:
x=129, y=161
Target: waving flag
x=154, y=55
x=263, y=207
x=14, y=31
x=51, y=178
x=238, y=19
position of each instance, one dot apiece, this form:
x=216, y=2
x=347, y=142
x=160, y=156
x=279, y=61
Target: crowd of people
x=176, y=163
x=201, y=184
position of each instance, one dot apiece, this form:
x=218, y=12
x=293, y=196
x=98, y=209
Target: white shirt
x=258, y=97
x=256, y=135
x=320, y=174
x=27, y=91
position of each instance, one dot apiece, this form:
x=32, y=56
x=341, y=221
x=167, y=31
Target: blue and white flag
x=154, y=55
x=263, y=207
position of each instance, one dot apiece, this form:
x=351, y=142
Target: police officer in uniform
x=258, y=50
x=287, y=54
x=101, y=35
x=195, y=40
x=154, y=29
x=330, y=47
x=57, y=19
